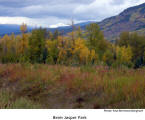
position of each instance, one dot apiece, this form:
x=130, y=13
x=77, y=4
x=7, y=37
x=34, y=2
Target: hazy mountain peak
x=58, y=25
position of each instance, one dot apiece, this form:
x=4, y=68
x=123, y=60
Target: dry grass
x=58, y=86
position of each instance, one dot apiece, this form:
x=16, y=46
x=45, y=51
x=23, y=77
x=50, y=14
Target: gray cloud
x=19, y=3
x=40, y=8
x=64, y=9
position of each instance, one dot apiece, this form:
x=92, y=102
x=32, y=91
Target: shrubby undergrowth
x=58, y=86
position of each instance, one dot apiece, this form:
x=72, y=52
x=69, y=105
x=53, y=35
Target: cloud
x=49, y=12
x=35, y=22
x=102, y=9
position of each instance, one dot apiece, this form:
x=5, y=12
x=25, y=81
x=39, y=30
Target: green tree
x=124, y=39
x=96, y=39
x=79, y=33
x=108, y=57
x=55, y=34
x=137, y=44
x=37, y=46
x=52, y=49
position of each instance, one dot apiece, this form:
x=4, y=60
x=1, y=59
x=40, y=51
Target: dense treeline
x=76, y=48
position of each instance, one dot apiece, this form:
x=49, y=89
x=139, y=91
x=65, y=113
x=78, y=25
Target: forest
x=81, y=69
x=76, y=48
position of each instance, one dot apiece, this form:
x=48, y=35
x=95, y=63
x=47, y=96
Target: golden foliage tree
x=124, y=54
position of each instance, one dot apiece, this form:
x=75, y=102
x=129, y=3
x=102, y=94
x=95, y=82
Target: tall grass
x=56, y=86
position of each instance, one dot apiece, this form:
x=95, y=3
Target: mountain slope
x=131, y=19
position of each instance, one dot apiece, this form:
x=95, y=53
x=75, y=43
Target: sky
x=53, y=13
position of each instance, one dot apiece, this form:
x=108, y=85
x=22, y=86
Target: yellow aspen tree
x=84, y=55
x=24, y=39
x=62, y=49
x=124, y=54
x=23, y=28
x=81, y=50
x=4, y=42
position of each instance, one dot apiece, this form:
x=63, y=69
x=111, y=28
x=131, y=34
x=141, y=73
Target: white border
x=90, y=114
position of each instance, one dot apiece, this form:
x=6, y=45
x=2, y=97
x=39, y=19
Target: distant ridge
x=11, y=28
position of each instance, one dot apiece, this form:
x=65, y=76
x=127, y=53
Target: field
x=85, y=87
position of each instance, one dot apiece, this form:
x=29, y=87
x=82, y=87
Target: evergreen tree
x=37, y=46
x=55, y=35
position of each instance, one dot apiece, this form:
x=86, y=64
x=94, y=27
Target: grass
x=54, y=86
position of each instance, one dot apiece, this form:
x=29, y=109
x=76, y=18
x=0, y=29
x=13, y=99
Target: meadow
x=63, y=87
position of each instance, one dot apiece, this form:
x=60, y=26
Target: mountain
x=9, y=29
x=58, y=25
x=131, y=19
x=67, y=29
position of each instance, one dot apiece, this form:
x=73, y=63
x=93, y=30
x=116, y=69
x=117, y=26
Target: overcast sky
x=58, y=12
